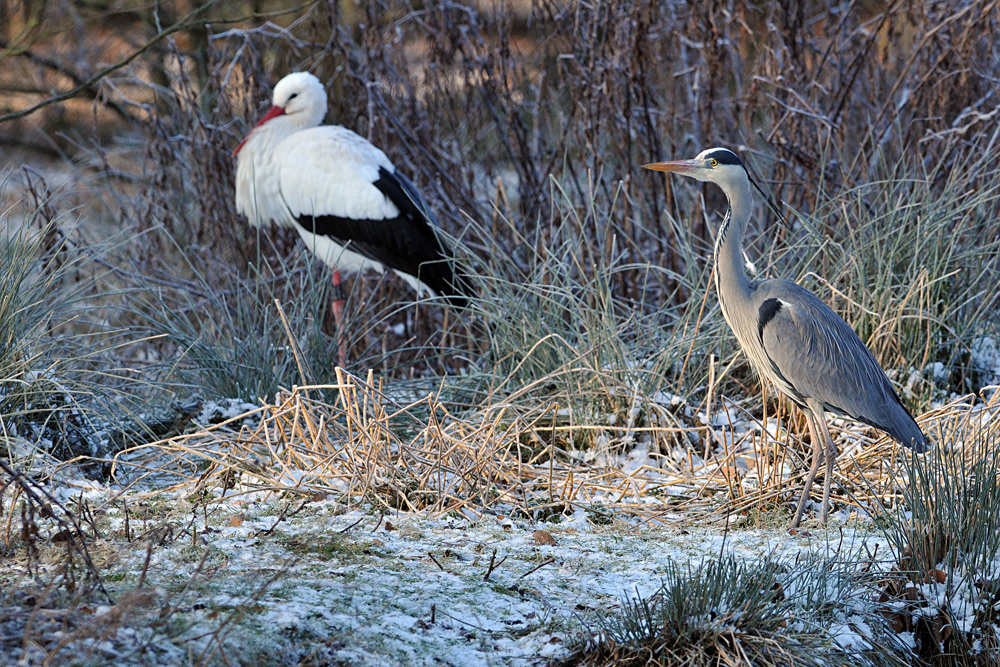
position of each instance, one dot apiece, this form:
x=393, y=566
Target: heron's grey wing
x=818, y=354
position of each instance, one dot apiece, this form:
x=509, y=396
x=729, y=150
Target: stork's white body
x=292, y=171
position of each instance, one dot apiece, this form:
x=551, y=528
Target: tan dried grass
x=419, y=456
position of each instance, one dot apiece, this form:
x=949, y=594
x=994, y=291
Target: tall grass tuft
x=732, y=611
x=945, y=590
x=28, y=301
x=238, y=335
x=60, y=392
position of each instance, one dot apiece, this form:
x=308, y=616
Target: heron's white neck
x=730, y=274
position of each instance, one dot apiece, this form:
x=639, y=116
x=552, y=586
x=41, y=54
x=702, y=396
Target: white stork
x=342, y=194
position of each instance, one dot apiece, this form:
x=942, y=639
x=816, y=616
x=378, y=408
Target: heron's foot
x=799, y=511
x=817, y=516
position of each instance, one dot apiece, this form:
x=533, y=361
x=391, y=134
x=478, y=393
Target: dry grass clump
x=370, y=447
x=376, y=447
x=733, y=611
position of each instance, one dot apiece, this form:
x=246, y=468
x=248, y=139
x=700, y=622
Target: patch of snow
x=223, y=410
x=413, y=589
x=636, y=458
x=938, y=371
x=985, y=359
x=667, y=399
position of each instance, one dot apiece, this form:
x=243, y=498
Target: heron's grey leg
x=831, y=459
x=817, y=453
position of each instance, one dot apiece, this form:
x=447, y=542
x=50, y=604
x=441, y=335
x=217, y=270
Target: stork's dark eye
x=292, y=96
x=713, y=162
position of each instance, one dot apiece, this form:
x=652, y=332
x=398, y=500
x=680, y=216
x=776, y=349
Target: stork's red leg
x=337, y=305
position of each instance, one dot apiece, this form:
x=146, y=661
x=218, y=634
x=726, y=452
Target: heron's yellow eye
x=713, y=162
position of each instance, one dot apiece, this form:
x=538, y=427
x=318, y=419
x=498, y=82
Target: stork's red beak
x=676, y=166
x=273, y=112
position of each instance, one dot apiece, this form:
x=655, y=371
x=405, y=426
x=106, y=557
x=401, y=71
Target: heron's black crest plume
x=724, y=156
x=770, y=204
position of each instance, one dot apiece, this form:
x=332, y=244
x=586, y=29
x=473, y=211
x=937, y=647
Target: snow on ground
x=365, y=589
x=249, y=577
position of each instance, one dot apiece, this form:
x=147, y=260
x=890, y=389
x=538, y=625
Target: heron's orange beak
x=676, y=166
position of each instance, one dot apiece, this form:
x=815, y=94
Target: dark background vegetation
x=525, y=124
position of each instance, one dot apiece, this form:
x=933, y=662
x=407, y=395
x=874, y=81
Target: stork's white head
x=298, y=102
x=301, y=96
x=715, y=165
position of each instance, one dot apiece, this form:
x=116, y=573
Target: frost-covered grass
x=815, y=609
x=266, y=579
x=61, y=382
x=946, y=592
x=269, y=548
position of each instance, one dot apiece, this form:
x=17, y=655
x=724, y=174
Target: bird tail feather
x=908, y=433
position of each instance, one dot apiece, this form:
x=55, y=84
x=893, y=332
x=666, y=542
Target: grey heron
x=791, y=337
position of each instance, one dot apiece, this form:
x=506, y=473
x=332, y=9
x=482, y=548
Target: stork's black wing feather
x=406, y=243
x=403, y=193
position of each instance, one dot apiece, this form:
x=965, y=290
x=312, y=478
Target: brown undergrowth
x=370, y=448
